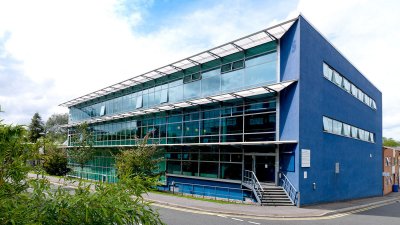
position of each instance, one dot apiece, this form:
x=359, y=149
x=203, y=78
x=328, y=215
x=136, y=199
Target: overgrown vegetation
x=35, y=201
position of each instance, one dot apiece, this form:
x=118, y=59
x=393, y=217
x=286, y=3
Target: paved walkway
x=259, y=211
x=271, y=211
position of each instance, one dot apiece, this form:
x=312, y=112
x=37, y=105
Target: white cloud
x=366, y=33
x=69, y=48
x=66, y=49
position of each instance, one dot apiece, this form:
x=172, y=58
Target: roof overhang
x=270, y=34
x=271, y=88
x=217, y=143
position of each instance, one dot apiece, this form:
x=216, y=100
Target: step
x=276, y=203
x=275, y=196
x=280, y=204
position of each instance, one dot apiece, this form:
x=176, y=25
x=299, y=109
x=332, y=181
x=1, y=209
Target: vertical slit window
x=327, y=72
x=354, y=90
x=346, y=85
x=164, y=96
x=102, y=110
x=327, y=124
x=354, y=132
x=337, y=78
x=139, y=102
x=346, y=130
x=337, y=127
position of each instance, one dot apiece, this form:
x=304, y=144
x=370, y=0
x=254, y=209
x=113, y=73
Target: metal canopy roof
x=214, y=143
x=270, y=34
x=276, y=87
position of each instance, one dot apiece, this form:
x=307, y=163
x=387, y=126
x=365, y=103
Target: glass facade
x=193, y=138
x=237, y=121
x=214, y=161
x=255, y=67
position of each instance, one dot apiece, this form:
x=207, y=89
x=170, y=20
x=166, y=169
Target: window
x=226, y=68
x=192, y=77
x=367, y=100
x=346, y=130
x=361, y=95
x=232, y=66
x=164, y=96
x=139, y=102
x=337, y=127
x=259, y=74
x=237, y=65
x=371, y=137
x=102, y=110
x=232, y=80
x=343, y=129
x=354, y=90
x=361, y=134
x=373, y=104
x=191, y=90
x=354, y=132
x=346, y=85
x=210, y=85
x=327, y=124
x=337, y=78
x=327, y=72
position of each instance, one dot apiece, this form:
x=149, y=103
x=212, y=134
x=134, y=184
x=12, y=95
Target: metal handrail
x=250, y=180
x=290, y=190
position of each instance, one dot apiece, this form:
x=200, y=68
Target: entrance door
x=263, y=166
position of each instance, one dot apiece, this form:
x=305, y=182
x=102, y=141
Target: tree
x=390, y=142
x=140, y=161
x=55, y=160
x=14, y=152
x=54, y=127
x=36, y=128
x=83, y=149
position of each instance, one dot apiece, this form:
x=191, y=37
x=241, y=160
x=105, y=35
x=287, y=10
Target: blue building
x=279, y=116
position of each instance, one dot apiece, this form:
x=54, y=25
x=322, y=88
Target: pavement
x=321, y=210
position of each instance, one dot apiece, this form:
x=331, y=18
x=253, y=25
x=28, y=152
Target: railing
x=208, y=191
x=250, y=180
x=290, y=189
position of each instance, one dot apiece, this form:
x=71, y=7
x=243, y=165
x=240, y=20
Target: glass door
x=264, y=168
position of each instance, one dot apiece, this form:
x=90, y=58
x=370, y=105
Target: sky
x=52, y=51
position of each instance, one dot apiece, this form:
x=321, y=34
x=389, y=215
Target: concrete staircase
x=274, y=195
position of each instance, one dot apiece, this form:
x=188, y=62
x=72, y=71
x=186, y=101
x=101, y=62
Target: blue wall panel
x=289, y=101
x=360, y=161
x=208, y=188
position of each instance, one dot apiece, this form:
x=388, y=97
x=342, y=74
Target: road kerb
x=302, y=216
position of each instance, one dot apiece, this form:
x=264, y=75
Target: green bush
x=56, y=162
x=35, y=201
x=108, y=204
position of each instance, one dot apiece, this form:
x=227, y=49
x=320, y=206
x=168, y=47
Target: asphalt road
x=384, y=215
